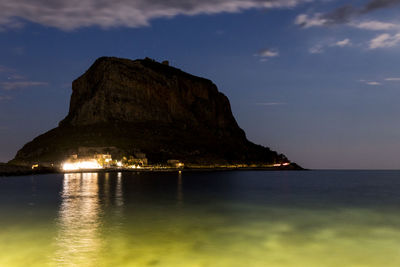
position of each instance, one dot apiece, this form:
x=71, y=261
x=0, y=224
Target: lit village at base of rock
x=139, y=162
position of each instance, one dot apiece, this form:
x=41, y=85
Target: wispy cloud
x=10, y=79
x=384, y=40
x=318, y=20
x=375, y=25
x=306, y=21
x=316, y=49
x=395, y=79
x=320, y=47
x=7, y=23
x=345, y=14
x=372, y=83
x=343, y=43
x=69, y=15
x=20, y=84
x=267, y=53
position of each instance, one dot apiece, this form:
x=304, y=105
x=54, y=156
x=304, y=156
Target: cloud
x=343, y=43
x=343, y=14
x=316, y=49
x=340, y=15
x=375, y=25
x=10, y=79
x=378, y=4
x=393, y=79
x=306, y=21
x=384, y=40
x=267, y=53
x=73, y=14
x=373, y=83
x=320, y=48
x=20, y=84
x=9, y=23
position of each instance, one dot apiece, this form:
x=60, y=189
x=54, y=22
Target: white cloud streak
x=319, y=20
x=320, y=48
x=343, y=43
x=373, y=83
x=73, y=14
x=393, y=79
x=306, y=21
x=375, y=25
x=384, y=40
x=268, y=53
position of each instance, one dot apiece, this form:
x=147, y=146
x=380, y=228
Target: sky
x=316, y=80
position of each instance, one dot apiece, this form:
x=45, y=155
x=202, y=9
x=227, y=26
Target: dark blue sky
x=316, y=80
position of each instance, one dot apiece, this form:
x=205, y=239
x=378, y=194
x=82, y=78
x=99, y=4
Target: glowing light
x=277, y=165
x=81, y=165
x=135, y=167
x=119, y=163
x=35, y=166
x=286, y=164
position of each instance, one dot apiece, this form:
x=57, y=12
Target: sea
x=210, y=218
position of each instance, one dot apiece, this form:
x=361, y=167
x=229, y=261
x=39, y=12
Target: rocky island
x=145, y=113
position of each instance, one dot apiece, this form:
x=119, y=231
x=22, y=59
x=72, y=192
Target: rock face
x=127, y=107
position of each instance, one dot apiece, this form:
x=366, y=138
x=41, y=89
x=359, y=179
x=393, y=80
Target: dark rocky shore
x=14, y=170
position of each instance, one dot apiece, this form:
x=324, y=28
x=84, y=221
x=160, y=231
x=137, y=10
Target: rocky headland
x=142, y=108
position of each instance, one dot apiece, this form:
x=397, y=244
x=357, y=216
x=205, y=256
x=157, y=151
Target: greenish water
x=242, y=218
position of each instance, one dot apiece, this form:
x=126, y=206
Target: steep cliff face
x=144, y=91
x=144, y=106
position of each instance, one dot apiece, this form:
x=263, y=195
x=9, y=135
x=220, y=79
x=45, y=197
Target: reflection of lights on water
x=106, y=190
x=79, y=221
x=81, y=165
x=119, y=201
x=179, y=189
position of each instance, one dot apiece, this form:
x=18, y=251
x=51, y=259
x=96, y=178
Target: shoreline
x=11, y=170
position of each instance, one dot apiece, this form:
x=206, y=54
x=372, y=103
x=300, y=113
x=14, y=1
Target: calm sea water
x=242, y=218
